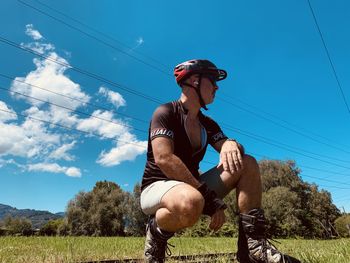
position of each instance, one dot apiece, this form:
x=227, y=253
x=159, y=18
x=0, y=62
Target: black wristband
x=212, y=202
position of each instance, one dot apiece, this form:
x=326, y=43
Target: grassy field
x=80, y=249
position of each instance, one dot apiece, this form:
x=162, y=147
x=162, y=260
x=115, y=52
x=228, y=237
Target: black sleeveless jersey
x=168, y=121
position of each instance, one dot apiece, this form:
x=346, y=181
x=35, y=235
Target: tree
x=18, y=226
x=342, y=225
x=99, y=212
x=298, y=208
x=51, y=228
x=135, y=218
x=283, y=210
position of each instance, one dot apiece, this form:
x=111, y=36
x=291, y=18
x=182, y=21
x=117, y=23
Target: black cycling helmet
x=198, y=66
x=203, y=68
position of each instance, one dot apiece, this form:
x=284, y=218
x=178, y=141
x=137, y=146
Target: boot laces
x=157, y=248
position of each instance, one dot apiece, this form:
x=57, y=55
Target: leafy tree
x=300, y=208
x=282, y=208
x=135, y=218
x=51, y=228
x=18, y=226
x=342, y=225
x=99, y=212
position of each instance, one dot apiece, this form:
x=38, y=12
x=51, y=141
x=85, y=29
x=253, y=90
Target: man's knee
x=189, y=206
x=251, y=166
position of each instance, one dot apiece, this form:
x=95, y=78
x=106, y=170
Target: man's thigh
x=151, y=197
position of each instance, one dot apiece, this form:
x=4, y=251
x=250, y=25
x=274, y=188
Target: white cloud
x=49, y=75
x=127, y=149
x=4, y=162
x=8, y=114
x=140, y=41
x=114, y=97
x=104, y=124
x=62, y=152
x=30, y=139
x=40, y=48
x=33, y=33
x=54, y=168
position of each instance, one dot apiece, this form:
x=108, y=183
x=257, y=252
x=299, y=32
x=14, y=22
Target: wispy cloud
x=140, y=41
x=35, y=34
x=126, y=149
x=54, y=168
x=61, y=153
x=114, y=97
x=7, y=113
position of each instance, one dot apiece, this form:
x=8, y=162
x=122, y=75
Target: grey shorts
x=152, y=195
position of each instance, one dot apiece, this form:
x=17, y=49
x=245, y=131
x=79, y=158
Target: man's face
x=208, y=89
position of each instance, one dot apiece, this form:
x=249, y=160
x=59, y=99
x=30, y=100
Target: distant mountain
x=37, y=217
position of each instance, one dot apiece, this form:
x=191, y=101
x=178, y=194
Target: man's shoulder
x=168, y=107
x=205, y=118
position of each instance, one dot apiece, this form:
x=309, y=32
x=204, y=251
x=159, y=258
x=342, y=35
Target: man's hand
x=217, y=220
x=231, y=157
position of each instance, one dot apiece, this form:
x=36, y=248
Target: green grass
x=79, y=249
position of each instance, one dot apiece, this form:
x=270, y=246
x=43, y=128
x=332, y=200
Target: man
x=173, y=192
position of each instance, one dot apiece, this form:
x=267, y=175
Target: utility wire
x=95, y=38
x=329, y=57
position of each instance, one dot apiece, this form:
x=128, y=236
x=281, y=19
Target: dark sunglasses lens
x=212, y=80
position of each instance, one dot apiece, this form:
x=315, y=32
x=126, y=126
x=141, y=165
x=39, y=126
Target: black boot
x=253, y=246
x=156, y=244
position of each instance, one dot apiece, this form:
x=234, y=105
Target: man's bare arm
x=169, y=163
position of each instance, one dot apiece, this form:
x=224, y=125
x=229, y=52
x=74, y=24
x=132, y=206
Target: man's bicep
x=162, y=147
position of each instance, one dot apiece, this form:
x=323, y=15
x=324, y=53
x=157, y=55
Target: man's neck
x=193, y=108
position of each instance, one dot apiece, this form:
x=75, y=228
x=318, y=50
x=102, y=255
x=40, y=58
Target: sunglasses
x=212, y=79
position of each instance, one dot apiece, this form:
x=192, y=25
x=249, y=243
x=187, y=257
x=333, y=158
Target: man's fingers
x=223, y=160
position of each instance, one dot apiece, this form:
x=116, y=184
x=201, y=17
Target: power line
x=93, y=37
x=329, y=57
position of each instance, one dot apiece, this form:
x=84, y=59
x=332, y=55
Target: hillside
x=37, y=217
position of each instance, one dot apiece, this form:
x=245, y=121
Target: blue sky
x=114, y=60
